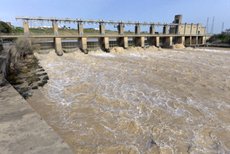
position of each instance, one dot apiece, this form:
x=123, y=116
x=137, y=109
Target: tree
x=5, y=28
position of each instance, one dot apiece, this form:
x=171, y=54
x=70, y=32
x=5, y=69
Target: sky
x=193, y=11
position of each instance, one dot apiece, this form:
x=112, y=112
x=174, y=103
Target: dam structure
x=173, y=33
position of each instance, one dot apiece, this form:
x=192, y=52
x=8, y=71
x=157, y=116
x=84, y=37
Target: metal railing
x=90, y=21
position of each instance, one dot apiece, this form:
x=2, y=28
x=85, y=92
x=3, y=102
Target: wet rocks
x=27, y=76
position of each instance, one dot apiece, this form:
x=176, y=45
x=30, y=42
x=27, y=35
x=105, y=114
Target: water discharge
x=143, y=101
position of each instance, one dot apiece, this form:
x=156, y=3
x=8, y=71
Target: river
x=152, y=101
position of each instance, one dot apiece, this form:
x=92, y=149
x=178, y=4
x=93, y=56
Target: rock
x=41, y=74
x=30, y=94
x=44, y=81
x=41, y=70
x=17, y=82
x=35, y=87
x=40, y=84
x=46, y=78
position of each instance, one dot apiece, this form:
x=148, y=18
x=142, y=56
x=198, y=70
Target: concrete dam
x=173, y=33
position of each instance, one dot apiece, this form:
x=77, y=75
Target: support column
x=180, y=40
x=58, y=46
x=191, y=32
x=80, y=29
x=187, y=40
x=26, y=28
x=120, y=29
x=104, y=43
x=185, y=28
x=194, y=40
x=140, y=41
x=123, y=42
x=204, y=39
x=55, y=27
x=137, y=30
x=152, y=30
x=200, y=40
x=167, y=42
x=83, y=44
x=154, y=41
x=102, y=29
x=165, y=30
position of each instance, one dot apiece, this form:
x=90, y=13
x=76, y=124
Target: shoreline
x=22, y=129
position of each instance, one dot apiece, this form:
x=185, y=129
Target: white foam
x=104, y=55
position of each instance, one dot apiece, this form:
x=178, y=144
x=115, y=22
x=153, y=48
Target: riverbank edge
x=22, y=129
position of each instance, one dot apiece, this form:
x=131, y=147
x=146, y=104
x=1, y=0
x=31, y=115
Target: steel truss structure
x=90, y=21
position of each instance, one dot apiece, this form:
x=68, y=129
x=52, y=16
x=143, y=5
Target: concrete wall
x=181, y=29
x=203, y=30
x=193, y=29
x=4, y=62
x=190, y=29
x=187, y=29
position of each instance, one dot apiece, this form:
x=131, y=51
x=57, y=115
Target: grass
x=18, y=30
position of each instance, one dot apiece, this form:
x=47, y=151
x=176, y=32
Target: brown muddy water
x=152, y=101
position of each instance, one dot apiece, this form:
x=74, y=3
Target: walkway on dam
x=22, y=130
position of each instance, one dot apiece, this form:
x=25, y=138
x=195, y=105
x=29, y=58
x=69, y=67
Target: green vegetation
x=24, y=47
x=5, y=28
x=18, y=30
x=224, y=37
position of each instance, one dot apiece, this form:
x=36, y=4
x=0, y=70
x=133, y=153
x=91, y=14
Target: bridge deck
x=92, y=36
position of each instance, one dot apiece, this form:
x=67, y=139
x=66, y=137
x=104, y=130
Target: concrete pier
x=122, y=42
x=180, y=40
x=154, y=41
x=188, y=40
x=102, y=29
x=55, y=27
x=104, y=43
x=139, y=41
x=167, y=42
x=152, y=30
x=200, y=40
x=58, y=46
x=80, y=29
x=83, y=44
x=120, y=29
x=165, y=30
x=194, y=40
x=26, y=28
x=137, y=30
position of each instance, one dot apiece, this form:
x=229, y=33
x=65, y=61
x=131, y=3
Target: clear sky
x=193, y=11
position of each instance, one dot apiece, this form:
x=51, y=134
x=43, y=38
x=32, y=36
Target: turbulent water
x=170, y=101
